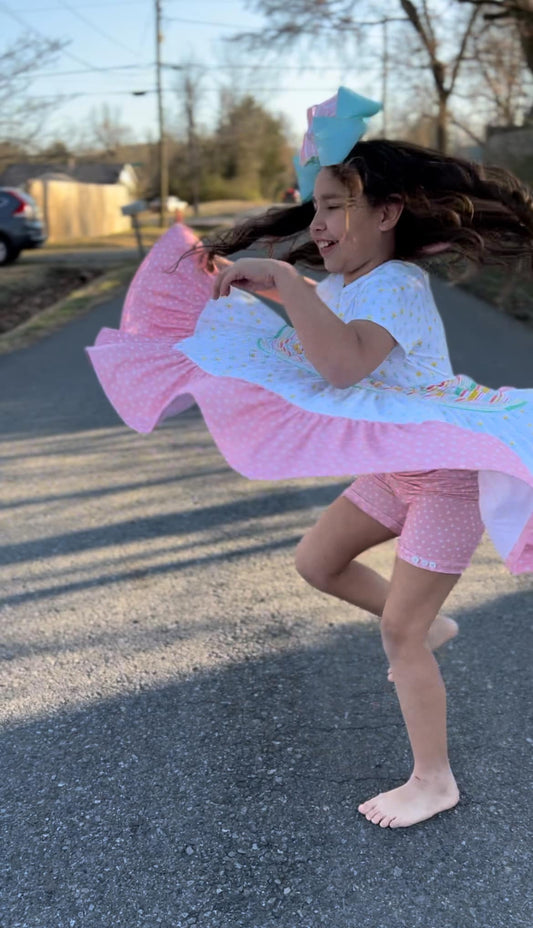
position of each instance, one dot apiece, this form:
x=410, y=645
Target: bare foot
x=415, y=801
x=442, y=629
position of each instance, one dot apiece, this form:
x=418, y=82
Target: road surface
x=188, y=728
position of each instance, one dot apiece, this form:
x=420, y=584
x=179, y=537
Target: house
x=77, y=200
x=90, y=172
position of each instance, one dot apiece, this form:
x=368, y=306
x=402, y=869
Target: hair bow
x=333, y=128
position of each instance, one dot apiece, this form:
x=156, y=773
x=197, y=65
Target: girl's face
x=352, y=236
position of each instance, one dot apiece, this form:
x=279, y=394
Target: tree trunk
x=442, y=123
x=525, y=29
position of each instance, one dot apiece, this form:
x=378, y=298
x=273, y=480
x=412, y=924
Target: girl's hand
x=255, y=274
x=211, y=265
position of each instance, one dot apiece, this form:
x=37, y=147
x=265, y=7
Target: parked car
x=291, y=195
x=21, y=224
x=173, y=204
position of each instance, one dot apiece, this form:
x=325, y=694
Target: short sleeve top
x=396, y=295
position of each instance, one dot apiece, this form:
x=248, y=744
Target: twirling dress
x=273, y=416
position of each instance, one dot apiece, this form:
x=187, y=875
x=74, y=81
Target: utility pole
x=384, y=77
x=190, y=91
x=163, y=161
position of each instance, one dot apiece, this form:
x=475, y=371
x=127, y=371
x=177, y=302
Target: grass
x=27, y=280
x=511, y=293
x=150, y=235
x=77, y=303
x=508, y=289
x=38, y=298
x=28, y=289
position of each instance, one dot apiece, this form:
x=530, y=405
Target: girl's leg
x=325, y=556
x=415, y=597
x=325, y=559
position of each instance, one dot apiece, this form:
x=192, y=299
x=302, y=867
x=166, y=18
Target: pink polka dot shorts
x=435, y=514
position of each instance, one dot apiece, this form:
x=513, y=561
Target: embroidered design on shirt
x=285, y=343
x=457, y=391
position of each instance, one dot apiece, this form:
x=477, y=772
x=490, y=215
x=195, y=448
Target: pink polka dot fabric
x=263, y=435
x=435, y=515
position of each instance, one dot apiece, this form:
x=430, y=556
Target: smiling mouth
x=325, y=246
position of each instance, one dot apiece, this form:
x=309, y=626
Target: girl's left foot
x=415, y=801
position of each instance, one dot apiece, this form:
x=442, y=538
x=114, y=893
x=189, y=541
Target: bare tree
x=497, y=77
x=334, y=20
x=190, y=94
x=21, y=116
x=518, y=11
x=107, y=131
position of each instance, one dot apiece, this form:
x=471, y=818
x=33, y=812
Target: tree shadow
x=236, y=520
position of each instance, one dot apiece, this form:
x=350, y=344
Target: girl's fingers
x=219, y=285
x=247, y=274
x=225, y=280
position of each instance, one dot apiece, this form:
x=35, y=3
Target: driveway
x=188, y=728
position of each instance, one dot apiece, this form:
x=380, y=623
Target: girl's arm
x=222, y=263
x=342, y=352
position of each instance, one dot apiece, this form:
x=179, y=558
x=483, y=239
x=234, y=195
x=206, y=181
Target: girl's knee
x=310, y=566
x=398, y=633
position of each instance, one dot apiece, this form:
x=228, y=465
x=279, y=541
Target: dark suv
x=21, y=225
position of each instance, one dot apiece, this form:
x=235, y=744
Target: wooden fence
x=74, y=210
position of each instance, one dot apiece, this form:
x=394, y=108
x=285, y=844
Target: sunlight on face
x=346, y=228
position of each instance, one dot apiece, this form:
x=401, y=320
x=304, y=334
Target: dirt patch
x=25, y=291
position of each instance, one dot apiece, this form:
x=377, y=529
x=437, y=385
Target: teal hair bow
x=334, y=127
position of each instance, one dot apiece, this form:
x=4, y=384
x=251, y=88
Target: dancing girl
x=359, y=383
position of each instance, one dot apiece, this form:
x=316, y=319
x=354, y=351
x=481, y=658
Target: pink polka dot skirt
x=273, y=419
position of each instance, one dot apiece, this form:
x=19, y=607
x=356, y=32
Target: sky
x=111, y=53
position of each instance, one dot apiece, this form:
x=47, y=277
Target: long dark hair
x=481, y=213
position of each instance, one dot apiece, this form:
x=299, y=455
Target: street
x=187, y=727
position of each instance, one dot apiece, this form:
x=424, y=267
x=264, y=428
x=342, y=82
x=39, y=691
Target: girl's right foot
x=442, y=630
x=414, y=802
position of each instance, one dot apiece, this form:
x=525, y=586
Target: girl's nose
x=317, y=222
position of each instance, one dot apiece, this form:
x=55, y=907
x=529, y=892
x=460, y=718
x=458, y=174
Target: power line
x=202, y=22
x=142, y=93
x=90, y=6
x=84, y=6
x=94, y=93
x=179, y=67
x=163, y=159
x=117, y=67
x=94, y=27
x=22, y=22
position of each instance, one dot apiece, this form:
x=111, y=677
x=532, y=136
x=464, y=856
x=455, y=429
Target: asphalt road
x=187, y=727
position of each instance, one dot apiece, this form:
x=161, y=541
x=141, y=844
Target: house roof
x=91, y=173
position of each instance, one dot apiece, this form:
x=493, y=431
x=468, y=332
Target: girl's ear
x=391, y=211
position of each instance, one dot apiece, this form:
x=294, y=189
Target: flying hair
x=480, y=213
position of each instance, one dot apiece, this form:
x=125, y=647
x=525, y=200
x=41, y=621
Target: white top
x=240, y=337
x=396, y=295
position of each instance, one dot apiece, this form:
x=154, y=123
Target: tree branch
x=462, y=48
x=468, y=131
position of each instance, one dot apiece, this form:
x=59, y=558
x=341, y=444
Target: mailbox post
x=133, y=210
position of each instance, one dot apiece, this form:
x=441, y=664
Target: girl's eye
x=329, y=207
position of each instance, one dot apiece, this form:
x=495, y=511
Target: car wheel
x=8, y=251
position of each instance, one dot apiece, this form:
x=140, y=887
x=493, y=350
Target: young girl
x=361, y=382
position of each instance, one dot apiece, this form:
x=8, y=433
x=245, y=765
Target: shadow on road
x=229, y=799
